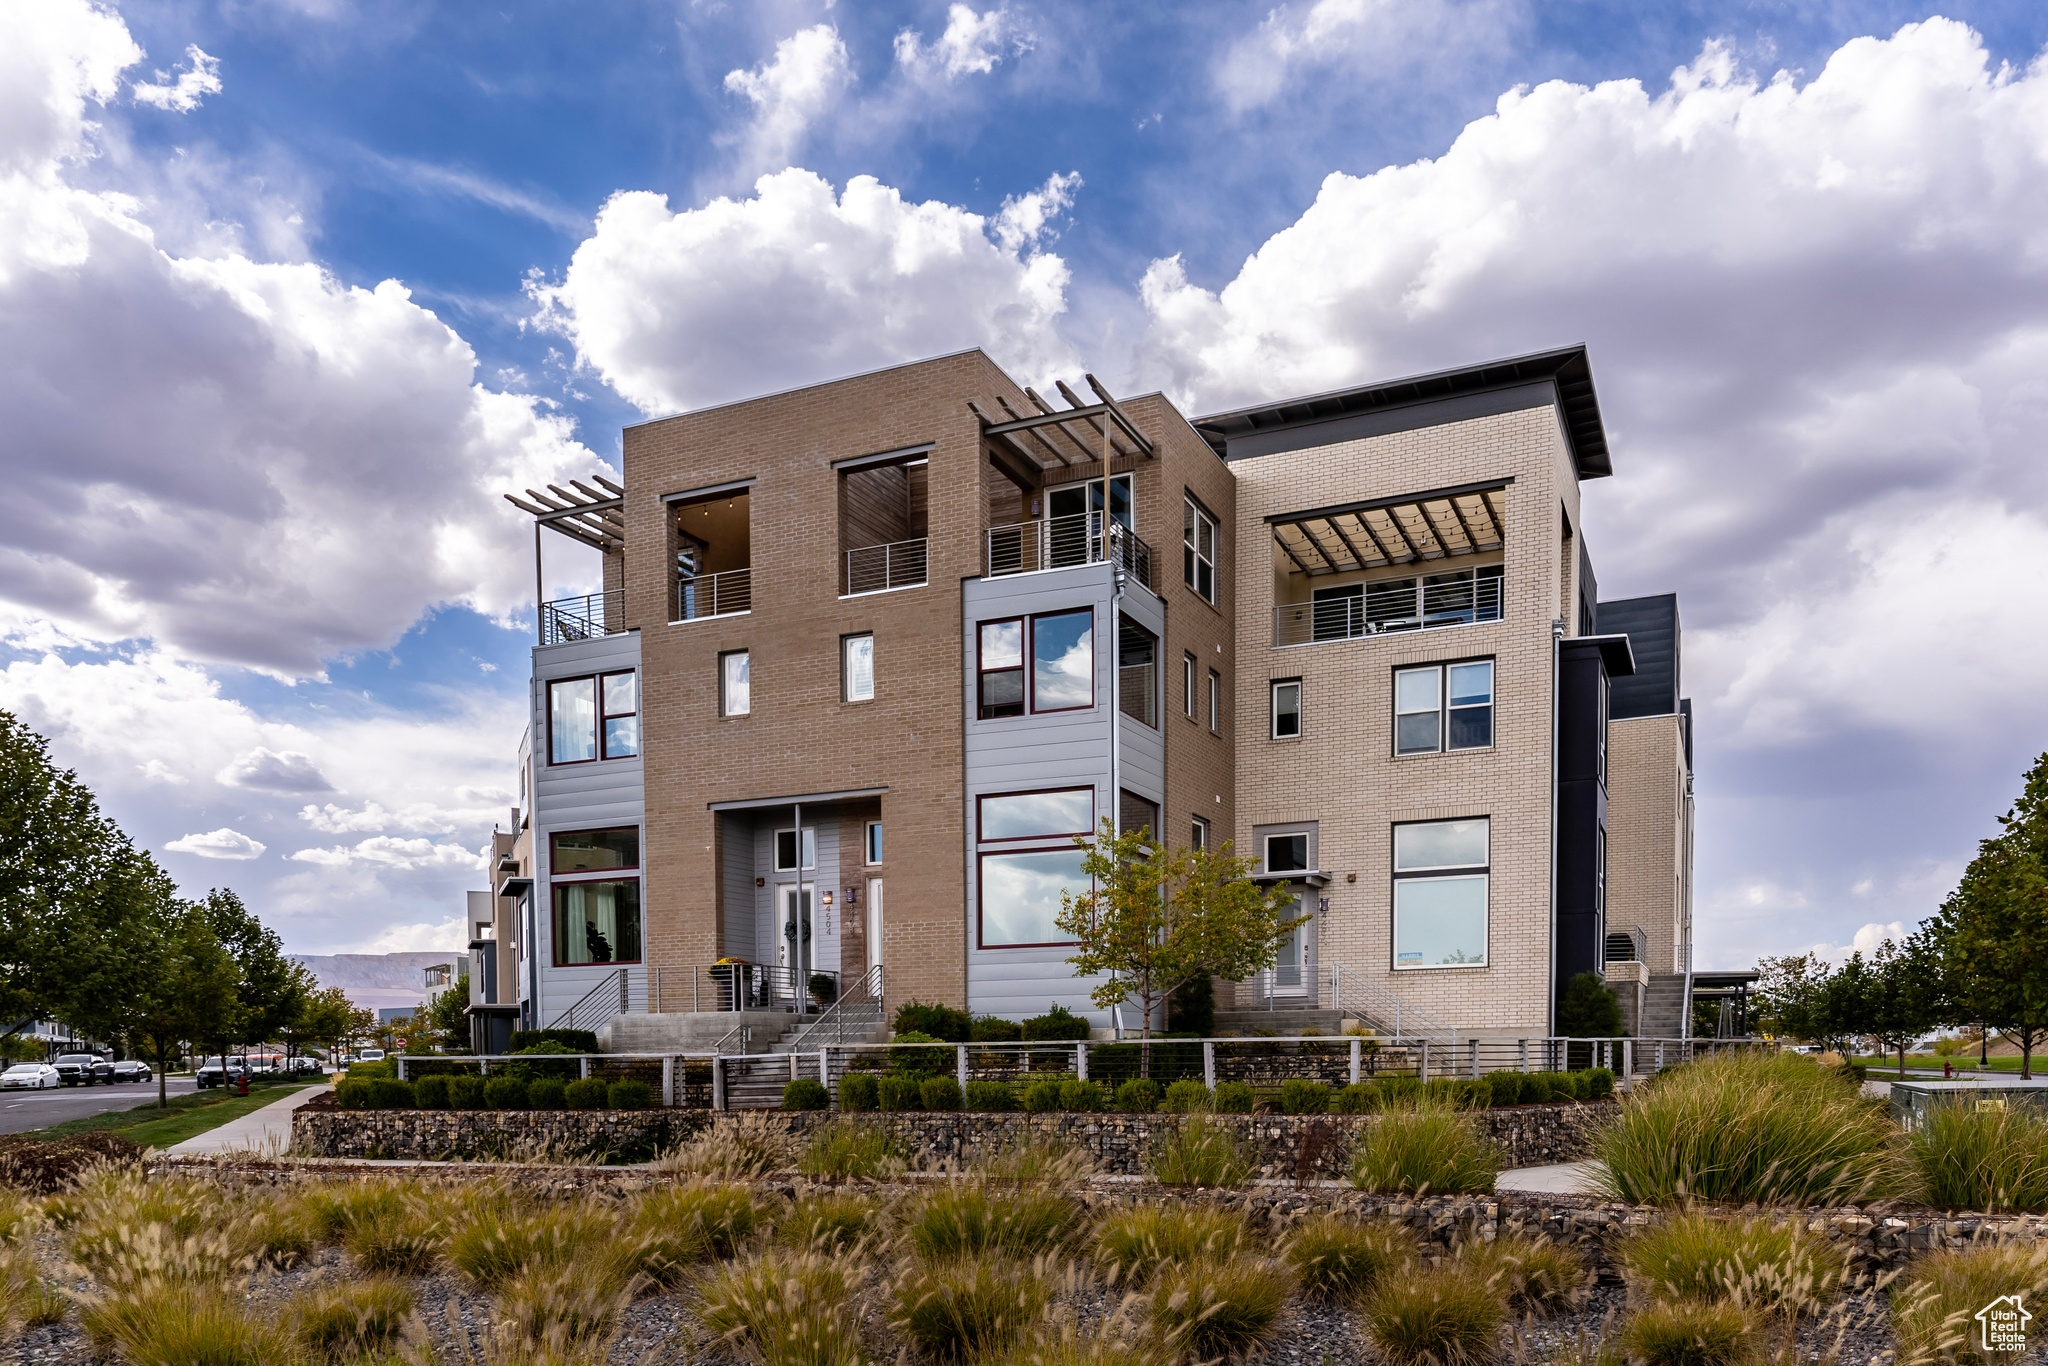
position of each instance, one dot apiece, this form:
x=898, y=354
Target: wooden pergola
x=1064, y=438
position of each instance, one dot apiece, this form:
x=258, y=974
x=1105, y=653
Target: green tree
x=1791, y=994
x=191, y=981
x=326, y=1016
x=448, y=1011
x=1993, y=929
x=1589, y=1009
x=274, y=987
x=1156, y=918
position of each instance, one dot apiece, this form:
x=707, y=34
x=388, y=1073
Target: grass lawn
x=188, y=1116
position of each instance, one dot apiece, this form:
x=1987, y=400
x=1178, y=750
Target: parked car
x=84, y=1069
x=133, y=1069
x=30, y=1076
x=220, y=1072
x=310, y=1066
x=370, y=1055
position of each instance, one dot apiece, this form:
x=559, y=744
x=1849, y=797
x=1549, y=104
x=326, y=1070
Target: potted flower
x=824, y=988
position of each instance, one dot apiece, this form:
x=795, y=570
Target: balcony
x=713, y=595
x=1460, y=598
x=883, y=568
x=1063, y=542
x=585, y=618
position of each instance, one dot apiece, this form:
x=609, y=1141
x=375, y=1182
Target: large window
x=1443, y=706
x=1062, y=651
x=1137, y=672
x=1198, y=549
x=593, y=718
x=1021, y=887
x=735, y=683
x=597, y=911
x=1287, y=709
x=1440, y=887
x=857, y=667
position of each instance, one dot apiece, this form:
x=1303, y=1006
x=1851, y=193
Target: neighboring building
x=869, y=654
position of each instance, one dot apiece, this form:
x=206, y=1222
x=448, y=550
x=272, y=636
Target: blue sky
x=282, y=317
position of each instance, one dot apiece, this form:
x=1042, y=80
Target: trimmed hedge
x=1083, y=1096
x=549, y=1093
x=1235, y=1098
x=505, y=1093
x=933, y=1021
x=996, y=1029
x=940, y=1093
x=1300, y=1097
x=1042, y=1096
x=981, y=1095
x=584, y=1095
x=389, y=1093
x=900, y=1093
x=1186, y=1097
x=575, y=1040
x=1138, y=1097
x=630, y=1095
x=1056, y=1025
x=806, y=1093
x=465, y=1093
x=430, y=1093
x=858, y=1091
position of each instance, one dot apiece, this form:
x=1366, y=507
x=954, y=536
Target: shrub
x=571, y=1040
x=465, y=1093
x=1688, y=1333
x=1235, y=1098
x=1191, y=1009
x=859, y=1150
x=858, y=1091
x=1341, y=1260
x=352, y=1094
x=1504, y=1088
x=995, y=1029
x=587, y=1094
x=431, y=1093
x=549, y=1093
x=1737, y=1128
x=1599, y=1084
x=988, y=1095
x=1056, y=1025
x=1396, y=1089
x=934, y=1022
x=1986, y=1158
x=1534, y=1275
x=785, y=1309
x=964, y=1309
x=913, y=1061
x=1139, y=1096
x=1359, y=1098
x=724, y=1216
x=1186, y=1097
x=806, y=1093
x=1227, y=1309
x=1934, y=1306
x=900, y=1093
x=630, y=1095
x=1300, y=1097
x=963, y=1219
x=1446, y=1315
x=1042, y=1096
x=1201, y=1152
x=1422, y=1147
x=1589, y=1009
x=827, y=1223
x=389, y=1093
x=1083, y=1096
x=1461, y=1093
x=1744, y=1261
x=940, y=1093
x=1133, y=1246
x=505, y=1093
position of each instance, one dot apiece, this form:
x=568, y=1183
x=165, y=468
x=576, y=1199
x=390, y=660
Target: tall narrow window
x=1287, y=709
x=572, y=721
x=1187, y=686
x=1001, y=668
x=1137, y=655
x=735, y=684
x=1198, y=834
x=1443, y=707
x=621, y=693
x=1198, y=549
x=857, y=667
x=874, y=849
x=1215, y=702
x=1063, y=661
x=1440, y=893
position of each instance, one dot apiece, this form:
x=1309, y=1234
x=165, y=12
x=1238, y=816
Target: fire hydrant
x=242, y=1084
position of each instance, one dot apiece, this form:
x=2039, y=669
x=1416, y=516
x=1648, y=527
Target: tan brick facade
x=1649, y=836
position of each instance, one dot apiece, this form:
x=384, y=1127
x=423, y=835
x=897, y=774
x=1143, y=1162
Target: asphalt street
x=20, y=1110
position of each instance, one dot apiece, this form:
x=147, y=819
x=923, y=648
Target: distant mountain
x=376, y=979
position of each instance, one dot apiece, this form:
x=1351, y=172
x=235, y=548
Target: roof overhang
x=1432, y=525
x=1614, y=652
x=1566, y=372
x=513, y=886
x=802, y=799
x=594, y=516
x=1309, y=878
x=1082, y=434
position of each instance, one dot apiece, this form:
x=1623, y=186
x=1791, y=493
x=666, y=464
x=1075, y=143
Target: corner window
x=596, y=911
x=785, y=850
x=593, y=718
x=1287, y=709
x=1061, y=814
x=1198, y=549
x=1440, y=893
x=857, y=667
x=1187, y=686
x=1215, y=702
x=1021, y=887
x=735, y=684
x=1063, y=661
x=1443, y=707
x=874, y=843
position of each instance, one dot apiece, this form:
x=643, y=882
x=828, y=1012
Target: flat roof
x=1568, y=369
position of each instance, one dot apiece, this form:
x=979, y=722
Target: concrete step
x=1281, y=1020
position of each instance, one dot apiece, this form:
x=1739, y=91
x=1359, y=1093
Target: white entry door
x=874, y=923
x=793, y=950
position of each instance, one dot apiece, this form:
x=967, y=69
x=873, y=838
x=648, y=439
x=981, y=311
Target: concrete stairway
x=1664, y=1006
x=1284, y=1020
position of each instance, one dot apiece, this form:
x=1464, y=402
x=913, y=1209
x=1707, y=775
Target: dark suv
x=83, y=1069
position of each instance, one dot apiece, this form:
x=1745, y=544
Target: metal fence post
x=668, y=1082
x=1356, y=1048
x=1209, y=1063
x=1422, y=1070
x=401, y=1067
x=483, y=1068
x=960, y=1065
x=1525, y=1054
x=1473, y=1044
x=584, y=1063
x=717, y=1082
x=1628, y=1059
x=1080, y=1061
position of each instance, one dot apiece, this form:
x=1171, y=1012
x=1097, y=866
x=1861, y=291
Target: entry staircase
x=756, y=1075
x=1664, y=1008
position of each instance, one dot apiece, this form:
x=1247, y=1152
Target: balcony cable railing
x=585, y=618
x=879, y=568
x=713, y=595
x=1063, y=542
x=1438, y=600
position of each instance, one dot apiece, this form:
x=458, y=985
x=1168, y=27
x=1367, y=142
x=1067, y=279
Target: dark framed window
x=1198, y=549
x=999, y=668
x=1063, y=661
x=1441, y=877
x=1187, y=686
x=594, y=717
x=1137, y=672
x=1021, y=894
x=1058, y=813
x=596, y=909
x=1440, y=707
x=1286, y=709
x=874, y=844
x=1215, y=702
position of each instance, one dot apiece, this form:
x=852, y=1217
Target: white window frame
x=1198, y=834
x=1215, y=703
x=1277, y=687
x=1444, y=708
x=848, y=689
x=871, y=845
x=808, y=854
x=726, y=694
x=1195, y=520
x=1187, y=684
x=1482, y=873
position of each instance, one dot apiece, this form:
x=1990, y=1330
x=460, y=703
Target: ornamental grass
x=1992, y=1158
x=746, y=1143
x=1424, y=1145
x=1341, y=1260
x=1935, y=1304
x=1536, y=1276
x=1777, y=1267
x=828, y=1223
x=1132, y=1246
x=966, y=1217
x=1444, y=1317
x=965, y=1307
x=1689, y=1333
x=1229, y=1308
x=851, y=1150
x=1202, y=1152
x=351, y=1319
x=1749, y=1127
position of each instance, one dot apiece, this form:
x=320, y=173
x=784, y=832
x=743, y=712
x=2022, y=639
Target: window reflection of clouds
x=1063, y=661
x=1026, y=814
x=1002, y=645
x=1020, y=894
x=1440, y=844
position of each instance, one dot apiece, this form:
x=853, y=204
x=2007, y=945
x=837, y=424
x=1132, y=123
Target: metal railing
x=853, y=1016
x=879, y=568
x=1063, y=542
x=611, y=996
x=1387, y=1011
x=1628, y=945
x=713, y=595
x=1457, y=599
x=735, y=986
x=584, y=618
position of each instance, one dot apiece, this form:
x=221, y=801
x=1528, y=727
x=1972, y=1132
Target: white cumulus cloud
x=182, y=96
x=1320, y=45
x=388, y=851
x=972, y=43
x=289, y=771
x=808, y=75
x=220, y=844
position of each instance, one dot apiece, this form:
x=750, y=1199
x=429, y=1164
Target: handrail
x=865, y=996
x=743, y=1030
x=615, y=982
x=1385, y=1010
x=713, y=595
x=1457, y=599
x=584, y=618
x=880, y=568
x=1063, y=542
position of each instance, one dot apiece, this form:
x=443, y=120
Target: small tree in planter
x=1158, y=918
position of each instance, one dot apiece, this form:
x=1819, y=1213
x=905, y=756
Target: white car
x=30, y=1075
x=370, y=1055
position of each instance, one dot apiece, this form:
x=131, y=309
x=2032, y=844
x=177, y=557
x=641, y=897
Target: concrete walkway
x=1563, y=1178
x=268, y=1130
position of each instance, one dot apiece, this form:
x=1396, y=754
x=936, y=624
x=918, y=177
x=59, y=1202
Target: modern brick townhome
x=869, y=655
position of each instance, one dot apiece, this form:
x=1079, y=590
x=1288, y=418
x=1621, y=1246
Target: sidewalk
x=1563, y=1178
x=268, y=1130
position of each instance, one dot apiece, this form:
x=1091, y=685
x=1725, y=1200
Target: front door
x=874, y=923
x=793, y=952
x=1291, y=964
